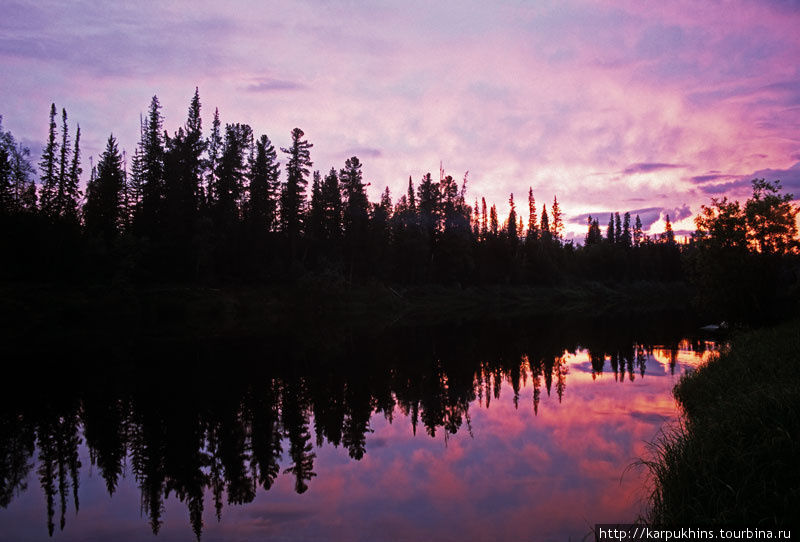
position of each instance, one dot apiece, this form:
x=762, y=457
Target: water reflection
x=218, y=424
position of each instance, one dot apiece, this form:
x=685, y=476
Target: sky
x=649, y=107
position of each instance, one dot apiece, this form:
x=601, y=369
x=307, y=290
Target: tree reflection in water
x=221, y=416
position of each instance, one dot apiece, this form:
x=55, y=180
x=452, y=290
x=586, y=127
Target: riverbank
x=31, y=310
x=733, y=458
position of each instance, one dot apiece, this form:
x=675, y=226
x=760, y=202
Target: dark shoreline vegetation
x=733, y=458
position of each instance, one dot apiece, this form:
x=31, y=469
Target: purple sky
x=612, y=106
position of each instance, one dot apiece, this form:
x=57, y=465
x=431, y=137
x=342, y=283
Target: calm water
x=504, y=431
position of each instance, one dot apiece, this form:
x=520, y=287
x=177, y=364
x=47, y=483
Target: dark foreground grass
x=735, y=456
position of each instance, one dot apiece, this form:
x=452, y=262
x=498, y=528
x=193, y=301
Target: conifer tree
x=610, y=236
x=493, y=225
x=133, y=187
x=316, y=213
x=332, y=205
x=511, y=225
x=558, y=224
x=72, y=192
x=428, y=206
x=669, y=235
x=263, y=177
x=47, y=166
x=214, y=152
x=152, y=170
x=103, y=210
x=626, y=230
x=64, y=149
x=293, y=192
x=637, y=231
x=484, y=225
x=476, y=221
x=533, y=223
x=545, y=226
x=593, y=235
x=412, y=200
x=355, y=213
x=617, y=229
x=229, y=189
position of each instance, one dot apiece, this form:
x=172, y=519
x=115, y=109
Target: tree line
x=215, y=208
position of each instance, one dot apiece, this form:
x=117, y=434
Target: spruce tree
x=484, y=224
x=637, y=231
x=316, y=213
x=610, y=236
x=355, y=214
x=103, y=213
x=493, y=225
x=264, y=178
x=229, y=189
x=511, y=225
x=213, y=154
x=617, y=229
x=152, y=170
x=293, y=192
x=72, y=192
x=558, y=224
x=626, y=230
x=668, y=235
x=47, y=165
x=533, y=223
x=332, y=205
x=545, y=226
x=63, y=171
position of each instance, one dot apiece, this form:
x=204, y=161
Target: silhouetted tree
x=228, y=191
x=355, y=214
x=558, y=224
x=103, y=211
x=152, y=174
x=511, y=225
x=264, y=184
x=47, y=166
x=293, y=192
x=533, y=224
x=625, y=237
x=637, y=231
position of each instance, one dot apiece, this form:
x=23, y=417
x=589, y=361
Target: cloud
x=710, y=177
x=648, y=167
x=361, y=152
x=272, y=85
x=679, y=213
x=790, y=181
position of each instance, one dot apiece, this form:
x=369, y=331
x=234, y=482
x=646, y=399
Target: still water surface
x=490, y=432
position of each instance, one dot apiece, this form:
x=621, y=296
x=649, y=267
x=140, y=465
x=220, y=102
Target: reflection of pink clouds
x=520, y=477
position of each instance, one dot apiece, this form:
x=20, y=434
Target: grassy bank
x=735, y=457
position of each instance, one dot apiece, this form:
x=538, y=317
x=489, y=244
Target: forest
x=227, y=207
